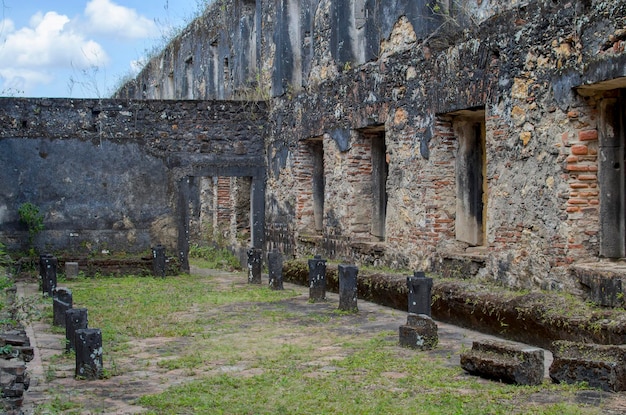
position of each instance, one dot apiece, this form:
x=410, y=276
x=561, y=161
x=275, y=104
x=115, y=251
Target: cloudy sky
x=81, y=48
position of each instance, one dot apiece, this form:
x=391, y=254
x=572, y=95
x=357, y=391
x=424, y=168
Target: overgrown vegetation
x=33, y=219
x=213, y=257
x=5, y=259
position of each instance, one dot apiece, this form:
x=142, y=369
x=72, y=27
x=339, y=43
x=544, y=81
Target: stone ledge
x=535, y=318
x=602, y=282
x=505, y=361
x=600, y=366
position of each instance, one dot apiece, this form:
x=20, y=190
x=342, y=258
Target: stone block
x=419, y=332
x=62, y=301
x=603, y=290
x=158, y=261
x=254, y=265
x=75, y=319
x=89, y=354
x=275, y=270
x=420, y=288
x=317, y=279
x=71, y=270
x=600, y=366
x=505, y=361
x=348, y=287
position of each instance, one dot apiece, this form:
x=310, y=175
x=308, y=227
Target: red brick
x=580, y=149
x=587, y=177
x=572, y=209
x=579, y=185
x=577, y=167
x=588, y=135
x=571, y=159
x=575, y=201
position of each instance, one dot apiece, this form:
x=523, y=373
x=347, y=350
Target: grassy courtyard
x=209, y=343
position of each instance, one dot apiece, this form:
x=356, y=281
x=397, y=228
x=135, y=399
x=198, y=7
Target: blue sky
x=81, y=48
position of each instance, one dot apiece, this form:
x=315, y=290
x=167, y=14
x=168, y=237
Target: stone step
x=600, y=366
x=505, y=361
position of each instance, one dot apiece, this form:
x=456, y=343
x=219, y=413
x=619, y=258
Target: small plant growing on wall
x=33, y=219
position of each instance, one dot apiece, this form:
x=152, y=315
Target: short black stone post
x=317, y=279
x=89, y=354
x=254, y=265
x=158, y=261
x=275, y=269
x=62, y=301
x=348, y=287
x=420, y=288
x=75, y=319
x=48, y=270
x=42, y=268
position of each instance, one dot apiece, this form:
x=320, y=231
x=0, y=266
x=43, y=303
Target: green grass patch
x=374, y=379
x=213, y=257
x=246, y=349
x=141, y=307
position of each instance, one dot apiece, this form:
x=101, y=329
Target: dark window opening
x=318, y=183
x=470, y=172
x=611, y=175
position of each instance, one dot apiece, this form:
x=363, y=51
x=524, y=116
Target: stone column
x=348, y=287
x=275, y=268
x=158, y=261
x=89, y=354
x=62, y=301
x=75, y=319
x=254, y=265
x=317, y=279
x=420, y=288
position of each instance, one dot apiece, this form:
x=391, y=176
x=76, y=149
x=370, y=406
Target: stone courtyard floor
x=52, y=377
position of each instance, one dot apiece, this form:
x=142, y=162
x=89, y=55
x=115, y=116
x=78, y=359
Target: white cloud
x=28, y=55
x=106, y=17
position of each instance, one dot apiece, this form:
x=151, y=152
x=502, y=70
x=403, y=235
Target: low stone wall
x=535, y=318
x=91, y=267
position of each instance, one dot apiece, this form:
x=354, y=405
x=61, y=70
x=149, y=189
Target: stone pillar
x=420, y=288
x=348, y=287
x=275, y=268
x=71, y=270
x=317, y=279
x=254, y=265
x=158, y=261
x=75, y=319
x=89, y=354
x=48, y=271
x=62, y=301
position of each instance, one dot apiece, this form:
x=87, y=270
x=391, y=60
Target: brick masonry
x=530, y=75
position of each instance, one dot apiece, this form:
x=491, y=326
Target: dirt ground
x=53, y=382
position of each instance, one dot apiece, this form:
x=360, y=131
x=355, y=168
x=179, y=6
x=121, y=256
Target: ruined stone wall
x=490, y=112
x=105, y=173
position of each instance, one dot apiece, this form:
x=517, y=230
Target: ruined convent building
x=476, y=138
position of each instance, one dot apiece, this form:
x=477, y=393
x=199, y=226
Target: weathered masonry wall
x=108, y=174
x=482, y=139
